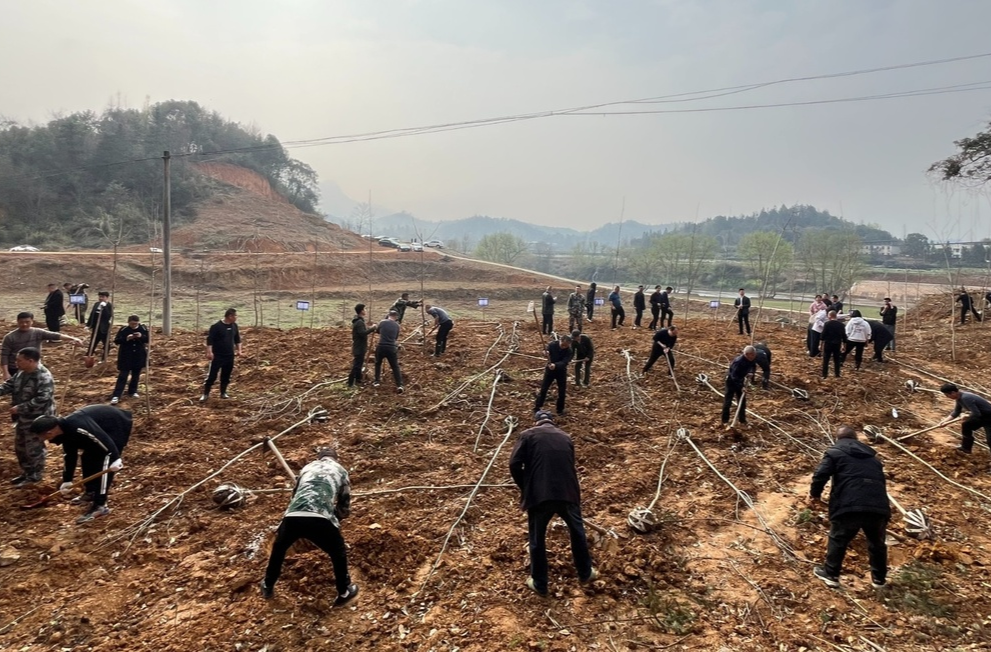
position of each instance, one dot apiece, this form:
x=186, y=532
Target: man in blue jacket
x=857, y=501
x=543, y=467
x=741, y=367
x=616, y=303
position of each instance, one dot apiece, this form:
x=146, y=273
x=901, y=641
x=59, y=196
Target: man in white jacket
x=858, y=333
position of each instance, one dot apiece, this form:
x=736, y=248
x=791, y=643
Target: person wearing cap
x=616, y=303
x=547, y=301
x=576, y=309
x=559, y=354
x=584, y=352
x=542, y=465
x=590, y=299
x=889, y=314
x=978, y=415
x=388, y=349
x=132, y=357
x=858, y=501
x=639, y=304
x=742, y=305
x=26, y=336
x=223, y=343
x=54, y=308
x=359, y=342
x=99, y=322
x=32, y=394
x=443, y=325
x=401, y=304
x=321, y=499
x=742, y=366
x=664, y=341
x=101, y=432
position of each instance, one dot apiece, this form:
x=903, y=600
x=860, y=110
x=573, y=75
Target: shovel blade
x=917, y=525
x=702, y=379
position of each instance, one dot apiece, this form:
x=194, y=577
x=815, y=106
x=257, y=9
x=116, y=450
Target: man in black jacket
x=741, y=367
x=590, y=300
x=833, y=334
x=559, y=356
x=132, y=357
x=543, y=467
x=889, y=317
x=978, y=411
x=881, y=337
x=966, y=305
x=742, y=304
x=664, y=341
x=763, y=360
x=54, y=308
x=359, y=342
x=547, y=301
x=639, y=304
x=223, y=343
x=101, y=432
x=584, y=351
x=857, y=501
x=655, y=307
x=99, y=322
x=388, y=349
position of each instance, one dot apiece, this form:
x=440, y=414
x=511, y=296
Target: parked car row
x=412, y=246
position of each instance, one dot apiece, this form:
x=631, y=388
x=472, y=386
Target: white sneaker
x=114, y=401
x=135, y=395
x=203, y=398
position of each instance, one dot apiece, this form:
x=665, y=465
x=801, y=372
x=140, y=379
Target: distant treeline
x=89, y=179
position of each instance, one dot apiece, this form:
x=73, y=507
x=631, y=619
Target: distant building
x=880, y=249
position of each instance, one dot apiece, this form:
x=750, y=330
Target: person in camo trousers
x=576, y=309
x=32, y=394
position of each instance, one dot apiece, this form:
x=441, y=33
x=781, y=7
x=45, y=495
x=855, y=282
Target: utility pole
x=167, y=249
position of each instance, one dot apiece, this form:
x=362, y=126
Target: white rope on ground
x=643, y=519
x=933, y=469
x=134, y=530
x=513, y=343
x=488, y=410
x=511, y=423
x=945, y=380
x=745, y=497
x=501, y=333
x=637, y=396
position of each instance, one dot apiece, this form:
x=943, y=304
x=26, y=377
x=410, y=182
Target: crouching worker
x=101, y=432
x=322, y=497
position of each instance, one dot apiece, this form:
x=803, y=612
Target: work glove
x=117, y=465
x=65, y=488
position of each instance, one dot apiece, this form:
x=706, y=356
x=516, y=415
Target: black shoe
x=267, y=591
x=533, y=587
x=18, y=480
x=828, y=580
x=961, y=449
x=347, y=596
x=878, y=584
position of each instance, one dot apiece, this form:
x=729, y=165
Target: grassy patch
x=667, y=613
x=912, y=590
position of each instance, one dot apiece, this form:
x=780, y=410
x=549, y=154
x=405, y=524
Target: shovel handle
x=278, y=456
x=925, y=430
x=56, y=493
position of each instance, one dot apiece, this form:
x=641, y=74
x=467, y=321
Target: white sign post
x=302, y=307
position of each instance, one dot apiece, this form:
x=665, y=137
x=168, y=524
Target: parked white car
x=24, y=248
x=416, y=246
x=439, y=244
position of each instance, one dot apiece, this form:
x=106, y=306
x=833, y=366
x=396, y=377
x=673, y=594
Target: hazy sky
x=313, y=68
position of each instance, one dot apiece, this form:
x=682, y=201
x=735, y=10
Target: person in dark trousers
x=664, y=341
x=559, y=355
x=32, y=394
x=401, y=304
x=666, y=306
x=881, y=337
x=639, y=305
x=763, y=360
x=742, y=366
x=833, y=335
x=388, y=349
x=966, y=305
x=584, y=352
x=543, y=467
x=321, y=500
x=836, y=305
x=100, y=319
x=858, y=333
x=132, y=357
x=101, y=432
x=858, y=501
x=590, y=299
x=443, y=325
x=223, y=343
x=359, y=342
x=616, y=306
x=987, y=300
x=54, y=308
x=978, y=415
x=655, y=307
x=742, y=305
x=79, y=309
x=576, y=309
x=547, y=301
x=889, y=315
x=26, y=336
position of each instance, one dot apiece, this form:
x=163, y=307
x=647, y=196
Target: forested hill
x=86, y=179
x=791, y=221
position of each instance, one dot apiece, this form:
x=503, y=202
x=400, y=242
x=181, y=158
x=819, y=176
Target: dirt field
x=715, y=575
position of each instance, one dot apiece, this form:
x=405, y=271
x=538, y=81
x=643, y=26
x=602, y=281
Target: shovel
x=739, y=405
x=278, y=456
x=913, y=386
x=671, y=369
x=916, y=523
x=55, y=493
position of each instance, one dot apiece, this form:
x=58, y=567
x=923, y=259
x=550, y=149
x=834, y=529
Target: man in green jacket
x=322, y=497
x=359, y=344
x=32, y=394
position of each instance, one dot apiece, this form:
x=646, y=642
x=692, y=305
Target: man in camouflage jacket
x=32, y=394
